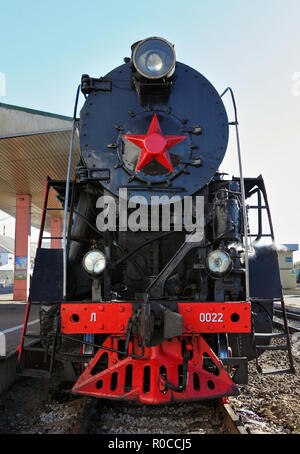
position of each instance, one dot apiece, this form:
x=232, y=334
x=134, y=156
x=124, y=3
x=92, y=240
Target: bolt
x=189, y=309
x=122, y=308
x=121, y=326
x=188, y=327
x=101, y=308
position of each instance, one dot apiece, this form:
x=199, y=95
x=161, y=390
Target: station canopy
x=34, y=145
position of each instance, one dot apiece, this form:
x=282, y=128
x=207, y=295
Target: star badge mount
x=154, y=145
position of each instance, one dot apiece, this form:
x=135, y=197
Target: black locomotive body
x=157, y=298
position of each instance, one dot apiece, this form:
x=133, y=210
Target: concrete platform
x=291, y=291
x=12, y=315
x=8, y=366
x=292, y=300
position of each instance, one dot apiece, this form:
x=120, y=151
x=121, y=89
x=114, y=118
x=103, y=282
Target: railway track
x=115, y=418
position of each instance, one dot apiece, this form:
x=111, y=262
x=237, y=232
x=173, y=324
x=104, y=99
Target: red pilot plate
x=216, y=317
x=95, y=318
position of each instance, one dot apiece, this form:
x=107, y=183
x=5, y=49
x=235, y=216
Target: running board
x=34, y=373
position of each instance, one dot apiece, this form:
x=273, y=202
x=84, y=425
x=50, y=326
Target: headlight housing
x=154, y=58
x=94, y=262
x=219, y=263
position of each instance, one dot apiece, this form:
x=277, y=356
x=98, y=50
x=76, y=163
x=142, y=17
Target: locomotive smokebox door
x=192, y=110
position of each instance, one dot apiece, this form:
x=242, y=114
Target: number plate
x=212, y=317
x=216, y=317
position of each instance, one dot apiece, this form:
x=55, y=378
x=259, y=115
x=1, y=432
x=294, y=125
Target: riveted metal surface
x=107, y=116
x=141, y=379
x=95, y=317
x=216, y=317
x=197, y=317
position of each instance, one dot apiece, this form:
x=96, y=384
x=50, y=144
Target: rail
x=236, y=123
x=65, y=252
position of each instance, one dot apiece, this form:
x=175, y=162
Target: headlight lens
x=154, y=63
x=154, y=58
x=94, y=262
x=219, y=262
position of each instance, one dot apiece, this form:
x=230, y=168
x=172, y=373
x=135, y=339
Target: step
x=269, y=335
x=34, y=349
x=45, y=303
x=271, y=347
x=36, y=373
x=32, y=336
x=277, y=371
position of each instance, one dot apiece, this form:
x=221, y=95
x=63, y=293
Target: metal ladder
x=23, y=371
x=66, y=185
x=258, y=336
x=247, y=236
x=286, y=347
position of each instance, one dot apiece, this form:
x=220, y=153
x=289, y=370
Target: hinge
x=89, y=84
x=86, y=174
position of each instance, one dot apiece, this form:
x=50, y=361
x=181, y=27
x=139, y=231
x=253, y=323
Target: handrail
x=67, y=198
x=235, y=123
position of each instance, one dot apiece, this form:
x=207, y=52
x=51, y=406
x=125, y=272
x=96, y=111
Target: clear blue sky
x=251, y=45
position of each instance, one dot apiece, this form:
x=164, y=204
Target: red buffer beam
x=112, y=318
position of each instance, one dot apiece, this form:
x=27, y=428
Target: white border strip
x=10, y=330
x=2, y=344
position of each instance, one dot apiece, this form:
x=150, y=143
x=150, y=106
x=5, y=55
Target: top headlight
x=154, y=58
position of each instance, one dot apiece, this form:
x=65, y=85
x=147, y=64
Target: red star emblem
x=154, y=145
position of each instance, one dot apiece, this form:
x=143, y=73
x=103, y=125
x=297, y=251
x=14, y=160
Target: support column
x=22, y=247
x=56, y=231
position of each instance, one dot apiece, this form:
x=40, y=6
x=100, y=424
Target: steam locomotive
x=156, y=295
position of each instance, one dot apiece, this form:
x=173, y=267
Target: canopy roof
x=34, y=145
